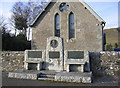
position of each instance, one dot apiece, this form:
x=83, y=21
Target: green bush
x=15, y=43
x=108, y=47
x=111, y=47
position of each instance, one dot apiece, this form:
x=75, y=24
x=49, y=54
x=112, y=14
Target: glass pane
x=57, y=25
x=71, y=26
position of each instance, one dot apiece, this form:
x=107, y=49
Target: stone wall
x=105, y=63
x=12, y=61
x=102, y=63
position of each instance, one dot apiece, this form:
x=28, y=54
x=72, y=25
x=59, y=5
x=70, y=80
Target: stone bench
x=34, y=59
x=76, y=59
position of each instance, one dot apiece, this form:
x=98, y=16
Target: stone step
x=50, y=79
x=47, y=76
x=22, y=75
x=48, y=73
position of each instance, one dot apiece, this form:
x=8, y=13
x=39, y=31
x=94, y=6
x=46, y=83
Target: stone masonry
x=102, y=63
x=12, y=61
x=105, y=64
x=88, y=29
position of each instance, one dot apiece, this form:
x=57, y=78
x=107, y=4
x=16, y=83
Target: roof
x=85, y=5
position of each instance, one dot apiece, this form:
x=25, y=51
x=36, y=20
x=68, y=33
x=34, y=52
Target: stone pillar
x=82, y=68
x=26, y=66
x=38, y=66
x=54, y=54
x=68, y=69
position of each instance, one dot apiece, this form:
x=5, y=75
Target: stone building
x=63, y=35
x=79, y=27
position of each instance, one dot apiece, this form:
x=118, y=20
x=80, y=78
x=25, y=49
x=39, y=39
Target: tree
x=2, y=29
x=2, y=24
x=24, y=14
x=35, y=8
x=20, y=16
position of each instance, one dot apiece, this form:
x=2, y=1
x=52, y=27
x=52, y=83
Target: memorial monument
x=63, y=35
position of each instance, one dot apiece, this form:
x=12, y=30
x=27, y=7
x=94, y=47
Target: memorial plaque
x=34, y=54
x=54, y=54
x=54, y=43
x=75, y=54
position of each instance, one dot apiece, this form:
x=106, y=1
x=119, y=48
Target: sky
x=106, y=9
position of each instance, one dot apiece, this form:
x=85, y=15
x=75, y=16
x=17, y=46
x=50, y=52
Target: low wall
x=12, y=60
x=102, y=63
x=105, y=63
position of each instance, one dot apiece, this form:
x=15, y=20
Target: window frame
x=69, y=26
x=55, y=28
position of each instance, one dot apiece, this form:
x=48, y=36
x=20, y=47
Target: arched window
x=57, y=25
x=71, y=26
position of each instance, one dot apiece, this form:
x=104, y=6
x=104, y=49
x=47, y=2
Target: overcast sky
x=106, y=9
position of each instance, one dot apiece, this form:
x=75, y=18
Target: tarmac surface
x=21, y=82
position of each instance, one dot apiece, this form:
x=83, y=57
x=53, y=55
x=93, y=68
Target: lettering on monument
x=34, y=54
x=54, y=54
x=75, y=54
